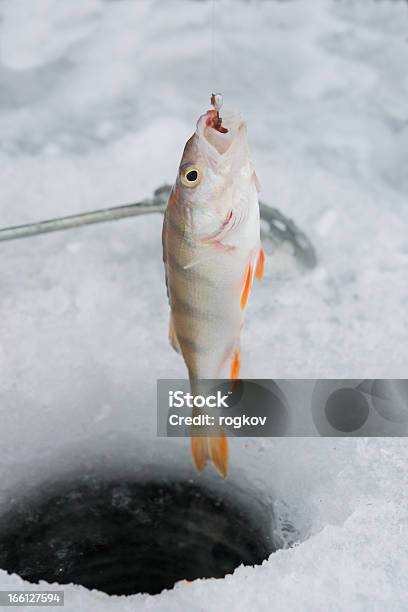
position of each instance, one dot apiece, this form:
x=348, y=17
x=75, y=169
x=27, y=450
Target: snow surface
x=96, y=101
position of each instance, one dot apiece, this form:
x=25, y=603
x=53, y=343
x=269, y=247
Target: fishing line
x=213, y=22
x=212, y=42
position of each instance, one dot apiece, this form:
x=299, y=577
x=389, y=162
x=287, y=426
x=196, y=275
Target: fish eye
x=190, y=176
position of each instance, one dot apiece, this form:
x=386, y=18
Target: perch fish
x=212, y=252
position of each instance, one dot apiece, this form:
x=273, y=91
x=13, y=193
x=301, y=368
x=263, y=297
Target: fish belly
x=205, y=306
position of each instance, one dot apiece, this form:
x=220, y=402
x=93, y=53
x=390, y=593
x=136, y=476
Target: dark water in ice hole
x=125, y=537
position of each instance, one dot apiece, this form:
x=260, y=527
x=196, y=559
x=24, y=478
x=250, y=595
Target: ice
x=97, y=99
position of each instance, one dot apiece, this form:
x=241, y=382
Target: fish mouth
x=220, y=133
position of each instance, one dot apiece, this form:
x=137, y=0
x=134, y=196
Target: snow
x=96, y=101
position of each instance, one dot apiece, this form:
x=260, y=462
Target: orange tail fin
x=219, y=453
x=208, y=444
x=216, y=448
x=199, y=450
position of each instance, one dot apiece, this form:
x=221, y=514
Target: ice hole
x=124, y=537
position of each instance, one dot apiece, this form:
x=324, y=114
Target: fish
x=212, y=252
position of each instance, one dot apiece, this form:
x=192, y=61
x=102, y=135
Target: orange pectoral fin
x=260, y=264
x=247, y=286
